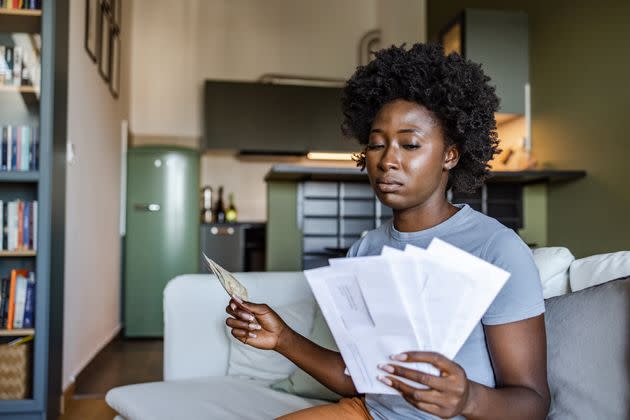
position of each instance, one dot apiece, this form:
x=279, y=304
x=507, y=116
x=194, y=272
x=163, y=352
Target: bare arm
x=259, y=326
x=519, y=357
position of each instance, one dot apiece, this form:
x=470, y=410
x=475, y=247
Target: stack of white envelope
x=417, y=299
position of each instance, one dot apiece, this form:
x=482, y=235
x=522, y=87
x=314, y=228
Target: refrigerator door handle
x=153, y=207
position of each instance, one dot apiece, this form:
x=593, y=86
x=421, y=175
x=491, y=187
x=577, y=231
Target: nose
x=390, y=159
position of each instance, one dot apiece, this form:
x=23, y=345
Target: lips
x=386, y=185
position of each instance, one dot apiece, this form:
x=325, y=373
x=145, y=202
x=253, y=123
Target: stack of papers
x=412, y=300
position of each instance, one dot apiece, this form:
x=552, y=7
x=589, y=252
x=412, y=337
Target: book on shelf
x=19, y=225
x=17, y=300
x=21, y=4
x=20, y=148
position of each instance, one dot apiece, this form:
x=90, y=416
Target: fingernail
x=233, y=306
x=238, y=299
x=385, y=380
x=254, y=326
x=402, y=357
x=386, y=368
x=249, y=317
x=252, y=335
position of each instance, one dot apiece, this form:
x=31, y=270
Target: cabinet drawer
x=357, y=208
x=322, y=207
x=319, y=244
x=356, y=226
x=320, y=189
x=326, y=226
x=356, y=190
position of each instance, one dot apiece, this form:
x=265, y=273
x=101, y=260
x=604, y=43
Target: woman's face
x=406, y=157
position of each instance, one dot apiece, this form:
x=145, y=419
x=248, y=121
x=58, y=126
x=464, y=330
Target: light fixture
x=329, y=156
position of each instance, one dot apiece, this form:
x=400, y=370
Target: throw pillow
x=250, y=362
x=597, y=269
x=587, y=352
x=553, y=265
x=300, y=382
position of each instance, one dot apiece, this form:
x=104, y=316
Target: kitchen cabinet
x=271, y=118
x=498, y=40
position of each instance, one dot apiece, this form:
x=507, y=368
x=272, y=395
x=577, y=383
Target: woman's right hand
x=256, y=324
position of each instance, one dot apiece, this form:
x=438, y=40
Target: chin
x=393, y=201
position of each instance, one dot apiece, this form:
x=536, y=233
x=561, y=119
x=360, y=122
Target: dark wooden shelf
x=22, y=253
x=297, y=173
x=30, y=94
x=19, y=176
x=17, y=20
x=19, y=332
x=535, y=176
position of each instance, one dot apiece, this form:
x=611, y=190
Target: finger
x=242, y=315
x=429, y=396
x=428, y=407
x=244, y=325
x=254, y=308
x=436, y=359
x=242, y=334
x=427, y=379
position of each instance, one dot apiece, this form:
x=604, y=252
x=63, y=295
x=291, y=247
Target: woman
x=427, y=123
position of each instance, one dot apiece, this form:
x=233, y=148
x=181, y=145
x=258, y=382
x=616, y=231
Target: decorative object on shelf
x=92, y=10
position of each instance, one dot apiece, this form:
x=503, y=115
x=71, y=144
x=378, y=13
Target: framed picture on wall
x=92, y=9
x=104, y=39
x=114, y=44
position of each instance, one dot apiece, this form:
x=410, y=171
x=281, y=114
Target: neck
x=424, y=216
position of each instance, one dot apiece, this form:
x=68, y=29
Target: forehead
x=402, y=112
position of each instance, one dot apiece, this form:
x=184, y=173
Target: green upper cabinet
x=498, y=40
x=273, y=118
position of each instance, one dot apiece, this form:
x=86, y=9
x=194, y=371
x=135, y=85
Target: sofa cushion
x=300, y=382
x=204, y=398
x=249, y=362
x=553, y=265
x=597, y=269
x=587, y=352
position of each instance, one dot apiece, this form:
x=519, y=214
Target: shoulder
x=372, y=242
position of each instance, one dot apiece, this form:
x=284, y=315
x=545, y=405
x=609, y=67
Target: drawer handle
x=223, y=231
x=147, y=207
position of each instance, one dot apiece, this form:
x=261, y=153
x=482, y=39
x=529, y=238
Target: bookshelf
x=37, y=100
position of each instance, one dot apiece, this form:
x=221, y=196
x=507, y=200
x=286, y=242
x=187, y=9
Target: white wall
x=241, y=40
x=402, y=21
x=92, y=254
x=177, y=45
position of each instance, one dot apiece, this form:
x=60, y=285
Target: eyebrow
x=403, y=130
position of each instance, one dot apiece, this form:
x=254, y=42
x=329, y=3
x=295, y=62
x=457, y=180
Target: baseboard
x=66, y=396
x=96, y=351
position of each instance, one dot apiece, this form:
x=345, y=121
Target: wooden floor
x=121, y=362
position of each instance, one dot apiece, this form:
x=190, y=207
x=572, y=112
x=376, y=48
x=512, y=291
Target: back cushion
x=588, y=352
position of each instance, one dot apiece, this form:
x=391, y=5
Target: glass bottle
x=231, y=215
x=219, y=208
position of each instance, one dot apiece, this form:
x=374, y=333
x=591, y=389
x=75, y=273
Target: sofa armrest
x=195, y=341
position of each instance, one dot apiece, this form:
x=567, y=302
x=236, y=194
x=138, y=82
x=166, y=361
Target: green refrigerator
x=162, y=231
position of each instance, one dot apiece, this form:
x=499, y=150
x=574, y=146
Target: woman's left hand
x=447, y=395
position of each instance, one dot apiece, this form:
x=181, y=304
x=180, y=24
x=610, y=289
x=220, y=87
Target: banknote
x=231, y=285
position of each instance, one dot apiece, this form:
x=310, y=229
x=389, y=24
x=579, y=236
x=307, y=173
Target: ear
x=451, y=157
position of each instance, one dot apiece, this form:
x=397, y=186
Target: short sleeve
x=521, y=296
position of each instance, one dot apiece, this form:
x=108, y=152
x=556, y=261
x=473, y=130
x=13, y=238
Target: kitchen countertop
x=298, y=173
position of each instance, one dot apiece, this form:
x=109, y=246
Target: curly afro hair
x=455, y=90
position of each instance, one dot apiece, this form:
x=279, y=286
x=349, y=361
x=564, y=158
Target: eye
x=374, y=146
x=411, y=146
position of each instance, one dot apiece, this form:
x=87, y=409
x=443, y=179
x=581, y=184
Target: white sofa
x=197, y=349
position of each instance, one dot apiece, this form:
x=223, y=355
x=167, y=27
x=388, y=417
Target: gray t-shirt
x=520, y=298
